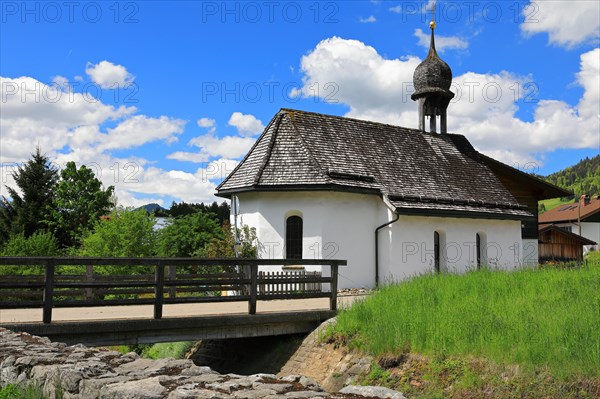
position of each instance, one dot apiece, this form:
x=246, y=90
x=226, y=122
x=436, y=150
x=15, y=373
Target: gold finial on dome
x=432, y=25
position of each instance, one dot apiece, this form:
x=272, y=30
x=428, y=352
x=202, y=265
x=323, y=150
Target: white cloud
x=68, y=126
x=429, y=6
x=108, y=75
x=60, y=81
x=425, y=7
x=589, y=78
x=246, y=125
x=198, y=186
x=34, y=113
x=137, y=182
x=206, y=122
x=442, y=43
x=371, y=19
x=484, y=109
x=568, y=23
x=352, y=73
x=186, y=156
x=228, y=147
x=139, y=130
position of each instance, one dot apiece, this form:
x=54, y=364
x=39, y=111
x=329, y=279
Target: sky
x=163, y=99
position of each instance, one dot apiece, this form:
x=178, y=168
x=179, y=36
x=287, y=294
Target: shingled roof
x=417, y=172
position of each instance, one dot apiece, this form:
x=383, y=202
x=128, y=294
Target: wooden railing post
x=334, y=286
x=89, y=278
x=159, y=286
x=48, y=290
x=253, y=288
x=172, y=276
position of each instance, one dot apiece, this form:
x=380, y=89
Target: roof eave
x=461, y=214
x=549, y=190
x=297, y=187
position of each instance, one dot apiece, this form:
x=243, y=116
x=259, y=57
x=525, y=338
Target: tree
x=187, y=235
x=30, y=210
x=79, y=202
x=183, y=208
x=224, y=247
x=123, y=233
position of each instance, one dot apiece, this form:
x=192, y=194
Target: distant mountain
x=582, y=178
x=152, y=208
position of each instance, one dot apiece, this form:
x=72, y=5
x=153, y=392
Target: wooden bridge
x=209, y=290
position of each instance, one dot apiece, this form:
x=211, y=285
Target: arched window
x=480, y=249
x=293, y=237
x=436, y=252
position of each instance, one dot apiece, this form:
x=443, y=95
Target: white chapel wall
x=412, y=249
x=336, y=226
x=342, y=226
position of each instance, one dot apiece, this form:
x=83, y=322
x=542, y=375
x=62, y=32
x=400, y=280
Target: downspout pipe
x=397, y=216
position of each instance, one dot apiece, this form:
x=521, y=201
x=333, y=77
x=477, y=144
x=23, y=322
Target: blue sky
x=163, y=98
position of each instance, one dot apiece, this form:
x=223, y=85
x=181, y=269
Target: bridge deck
x=134, y=324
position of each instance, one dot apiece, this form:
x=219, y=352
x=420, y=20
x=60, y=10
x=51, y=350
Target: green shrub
x=176, y=350
x=40, y=243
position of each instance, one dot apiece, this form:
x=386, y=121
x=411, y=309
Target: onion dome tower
x=432, y=80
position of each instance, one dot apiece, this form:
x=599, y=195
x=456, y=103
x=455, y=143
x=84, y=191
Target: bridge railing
x=221, y=280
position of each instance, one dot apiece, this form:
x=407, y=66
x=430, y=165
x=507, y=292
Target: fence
x=274, y=283
x=63, y=288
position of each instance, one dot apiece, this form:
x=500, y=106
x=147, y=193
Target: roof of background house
x=571, y=212
x=418, y=172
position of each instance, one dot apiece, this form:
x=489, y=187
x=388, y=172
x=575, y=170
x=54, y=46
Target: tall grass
x=528, y=317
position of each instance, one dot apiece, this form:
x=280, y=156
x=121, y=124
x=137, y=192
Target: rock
x=89, y=373
x=91, y=388
x=310, y=383
x=9, y=361
x=198, y=370
x=206, y=378
x=291, y=378
x=306, y=395
x=27, y=361
x=253, y=393
x=149, y=388
x=278, y=388
x=8, y=375
x=184, y=393
x=372, y=392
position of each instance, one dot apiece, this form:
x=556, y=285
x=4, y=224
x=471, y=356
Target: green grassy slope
x=535, y=318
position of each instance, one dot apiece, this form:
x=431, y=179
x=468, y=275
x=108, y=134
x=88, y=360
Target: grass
x=467, y=377
x=593, y=257
x=538, y=319
x=30, y=391
x=176, y=350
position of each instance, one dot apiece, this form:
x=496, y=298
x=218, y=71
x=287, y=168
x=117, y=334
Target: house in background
x=558, y=244
x=393, y=201
x=581, y=218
